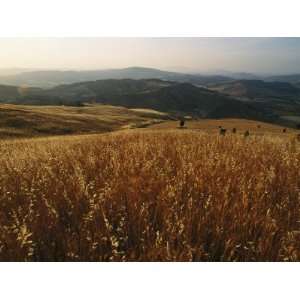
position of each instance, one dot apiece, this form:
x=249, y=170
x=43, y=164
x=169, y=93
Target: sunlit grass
x=175, y=195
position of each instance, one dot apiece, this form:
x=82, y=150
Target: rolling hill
x=47, y=79
x=291, y=78
x=188, y=99
x=105, y=89
x=257, y=89
x=166, y=96
x=8, y=92
x=249, y=99
x=11, y=93
x=29, y=121
x=280, y=101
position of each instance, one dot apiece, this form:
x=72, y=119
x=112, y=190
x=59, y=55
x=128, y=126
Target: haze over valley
x=274, y=99
x=108, y=152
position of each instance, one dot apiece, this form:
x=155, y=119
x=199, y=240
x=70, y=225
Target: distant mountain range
x=293, y=79
x=257, y=89
x=281, y=100
x=200, y=96
x=47, y=79
x=159, y=95
x=51, y=78
x=11, y=93
x=166, y=96
x=13, y=71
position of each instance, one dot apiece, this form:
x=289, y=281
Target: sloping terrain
x=257, y=89
x=105, y=89
x=74, y=94
x=10, y=93
x=48, y=78
x=248, y=99
x=188, y=99
x=291, y=78
x=280, y=101
x=30, y=121
x=166, y=96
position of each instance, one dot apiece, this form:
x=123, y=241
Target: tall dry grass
x=150, y=196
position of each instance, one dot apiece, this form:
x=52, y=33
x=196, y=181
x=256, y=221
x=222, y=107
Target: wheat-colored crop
x=150, y=196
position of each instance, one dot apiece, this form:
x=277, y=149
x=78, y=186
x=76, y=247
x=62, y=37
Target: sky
x=254, y=55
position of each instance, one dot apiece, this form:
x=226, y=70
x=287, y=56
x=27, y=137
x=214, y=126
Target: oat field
x=150, y=195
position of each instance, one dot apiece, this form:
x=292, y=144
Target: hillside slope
x=257, y=88
x=155, y=94
x=47, y=79
x=180, y=98
x=248, y=99
x=30, y=121
x=291, y=78
x=188, y=99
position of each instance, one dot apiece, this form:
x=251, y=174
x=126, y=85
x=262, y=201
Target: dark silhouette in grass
x=247, y=133
x=222, y=131
x=181, y=123
x=234, y=130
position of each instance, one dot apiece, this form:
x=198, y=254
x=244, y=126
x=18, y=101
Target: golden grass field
x=152, y=195
x=21, y=121
x=241, y=125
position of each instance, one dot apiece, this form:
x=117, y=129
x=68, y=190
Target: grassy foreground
x=170, y=195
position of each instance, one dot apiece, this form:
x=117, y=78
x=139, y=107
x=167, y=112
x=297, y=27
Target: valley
x=101, y=170
x=212, y=97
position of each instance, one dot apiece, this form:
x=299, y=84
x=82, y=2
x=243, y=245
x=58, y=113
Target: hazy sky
x=266, y=55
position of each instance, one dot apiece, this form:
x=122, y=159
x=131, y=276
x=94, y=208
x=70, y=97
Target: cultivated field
x=150, y=195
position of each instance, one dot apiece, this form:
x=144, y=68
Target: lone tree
x=181, y=123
